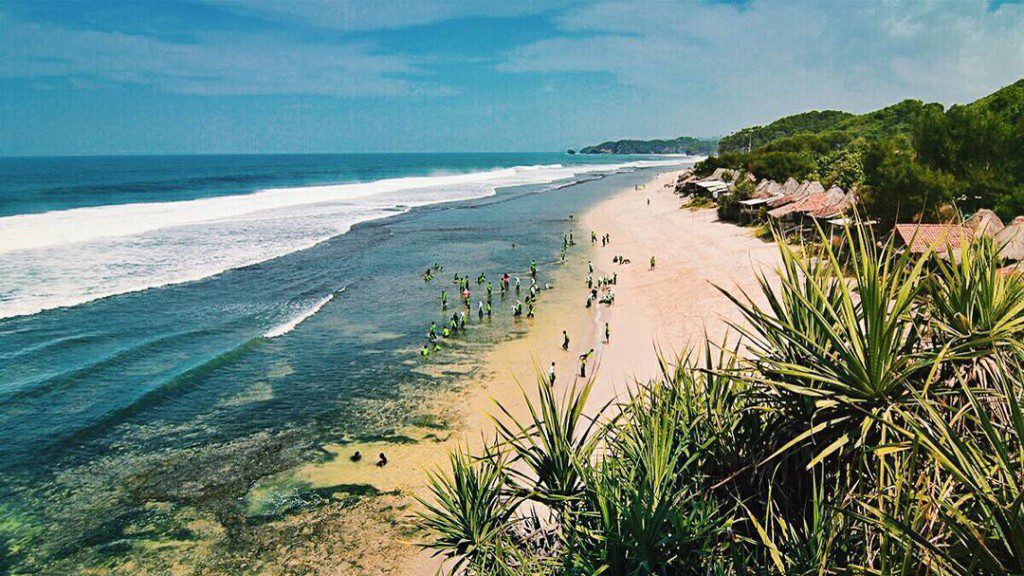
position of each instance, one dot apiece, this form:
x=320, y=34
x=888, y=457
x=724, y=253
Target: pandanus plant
x=470, y=515
x=838, y=344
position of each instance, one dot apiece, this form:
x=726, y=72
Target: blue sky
x=225, y=76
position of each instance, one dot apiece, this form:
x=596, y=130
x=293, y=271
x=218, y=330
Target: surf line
x=286, y=327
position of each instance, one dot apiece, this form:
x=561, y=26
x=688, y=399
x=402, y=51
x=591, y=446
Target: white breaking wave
x=290, y=325
x=68, y=257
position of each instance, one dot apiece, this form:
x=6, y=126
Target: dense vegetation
x=681, y=145
x=868, y=422
x=911, y=160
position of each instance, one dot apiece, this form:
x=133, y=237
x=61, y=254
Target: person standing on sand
x=593, y=237
x=383, y=461
x=551, y=375
x=583, y=363
x=607, y=333
x=565, y=341
x=652, y=262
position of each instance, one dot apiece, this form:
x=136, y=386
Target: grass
x=868, y=422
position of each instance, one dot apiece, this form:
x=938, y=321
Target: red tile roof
x=939, y=237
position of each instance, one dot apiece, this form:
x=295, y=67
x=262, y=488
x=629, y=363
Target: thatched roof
x=725, y=174
x=920, y=238
x=789, y=187
x=1011, y=240
x=814, y=187
x=799, y=192
x=984, y=223
x=807, y=204
x=839, y=203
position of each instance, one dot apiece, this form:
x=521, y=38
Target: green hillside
x=757, y=136
x=681, y=145
x=909, y=160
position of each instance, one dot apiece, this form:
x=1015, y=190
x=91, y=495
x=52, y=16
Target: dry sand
x=669, y=307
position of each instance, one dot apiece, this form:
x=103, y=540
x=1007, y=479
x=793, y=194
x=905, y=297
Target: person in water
x=551, y=374
x=488, y=310
x=382, y=461
x=480, y=310
x=533, y=268
x=356, y=457
x=565, y=341
x=425, y=353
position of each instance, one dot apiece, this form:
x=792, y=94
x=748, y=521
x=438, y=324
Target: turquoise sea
x=174, y=329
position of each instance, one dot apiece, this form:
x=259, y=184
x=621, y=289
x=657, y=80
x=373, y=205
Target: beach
x=242, y=461
x=669, y=309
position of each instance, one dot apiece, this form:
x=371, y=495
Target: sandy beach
x=669, y=308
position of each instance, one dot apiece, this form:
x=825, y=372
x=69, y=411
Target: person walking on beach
x=590, y=266
x=607, y=333
x=565, y=341
x=583, y=363
x=551, y=375
x=652, y=262
x=593, y=237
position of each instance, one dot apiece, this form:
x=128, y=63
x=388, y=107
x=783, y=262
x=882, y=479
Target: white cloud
x=353, y=15
x=218, y=64
x=773, y=57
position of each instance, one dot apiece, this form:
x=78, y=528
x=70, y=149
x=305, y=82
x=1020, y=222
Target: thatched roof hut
x=984, y=223
x=838, y=203
x=814, y=187
x=790, y=186
x=1011, y=240
x=801, y=191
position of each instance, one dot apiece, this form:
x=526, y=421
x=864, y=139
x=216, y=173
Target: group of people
x=484, y=308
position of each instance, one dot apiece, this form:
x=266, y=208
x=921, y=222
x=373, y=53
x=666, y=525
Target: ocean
x=173, y=329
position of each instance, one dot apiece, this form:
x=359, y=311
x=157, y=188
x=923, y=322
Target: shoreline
x=669, y=308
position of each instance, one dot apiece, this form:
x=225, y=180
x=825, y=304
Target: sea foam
x=286, y=327
x=68, y=257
